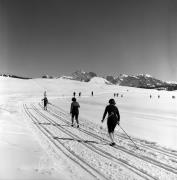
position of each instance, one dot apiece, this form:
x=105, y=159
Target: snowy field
x=37, y=144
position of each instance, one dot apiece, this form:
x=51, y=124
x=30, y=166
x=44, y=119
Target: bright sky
x=58, y=37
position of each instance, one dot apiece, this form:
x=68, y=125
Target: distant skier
x=79, y=94
x=74, y=94
x=92, y=93
x=45, y=102
x=150, y=96
x=112, y=120
x=74, y=111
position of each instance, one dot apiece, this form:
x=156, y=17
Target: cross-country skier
x=74, y=111
x=45, y=102
x=112, y=120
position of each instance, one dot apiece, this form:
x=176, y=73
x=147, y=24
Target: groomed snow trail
x=86, y=149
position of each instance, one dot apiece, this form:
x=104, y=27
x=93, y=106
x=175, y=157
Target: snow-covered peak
x=145, y=75
x=124, y=75
x=66, y=77
x=171, y=82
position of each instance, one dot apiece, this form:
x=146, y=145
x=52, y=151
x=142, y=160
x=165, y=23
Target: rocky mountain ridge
x=140, y=81
x=13, y=76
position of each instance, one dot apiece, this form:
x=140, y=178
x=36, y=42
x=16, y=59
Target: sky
x=108, y=37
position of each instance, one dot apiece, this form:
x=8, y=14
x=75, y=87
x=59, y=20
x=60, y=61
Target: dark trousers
x=74, y=115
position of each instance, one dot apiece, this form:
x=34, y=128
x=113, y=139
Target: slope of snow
x=37, y=144
x=99, y=80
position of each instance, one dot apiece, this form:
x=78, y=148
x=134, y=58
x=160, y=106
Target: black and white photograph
x=88, y=90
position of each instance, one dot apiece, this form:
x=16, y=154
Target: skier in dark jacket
x=112, y=120
x=45, y=102
x=74, y=111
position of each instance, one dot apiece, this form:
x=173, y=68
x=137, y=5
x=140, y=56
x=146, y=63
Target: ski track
x=94, y=155
x=126, y=174
x=155, y=162
x=140, y=143
x=59, y=146
x=94, y=148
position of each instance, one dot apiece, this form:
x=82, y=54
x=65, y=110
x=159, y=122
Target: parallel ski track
x=94, y=148
x=161, y=151
x=98, y=150
x=137, y=171
x=73, y=157
x=146, y=159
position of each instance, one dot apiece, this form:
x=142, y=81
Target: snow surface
x=37, y=144
x=99, y=80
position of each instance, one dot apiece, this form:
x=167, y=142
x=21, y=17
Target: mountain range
x=140, y=81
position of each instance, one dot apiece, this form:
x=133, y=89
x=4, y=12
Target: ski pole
x=129, y=137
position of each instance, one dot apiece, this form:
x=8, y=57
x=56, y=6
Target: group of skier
x=112, y=120
x=74, y=94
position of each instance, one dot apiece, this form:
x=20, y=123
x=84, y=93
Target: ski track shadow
x=45, y=123
x=79, y=140
x=61, y=125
